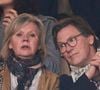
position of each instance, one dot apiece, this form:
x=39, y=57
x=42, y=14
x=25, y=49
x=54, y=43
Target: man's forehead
x=68, y=30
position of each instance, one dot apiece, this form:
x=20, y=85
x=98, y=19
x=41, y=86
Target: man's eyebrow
x=67, y=39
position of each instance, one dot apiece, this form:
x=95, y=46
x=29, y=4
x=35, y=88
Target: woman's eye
x=19, y=34
x=32, y=35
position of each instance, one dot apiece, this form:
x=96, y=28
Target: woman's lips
x=25, y=47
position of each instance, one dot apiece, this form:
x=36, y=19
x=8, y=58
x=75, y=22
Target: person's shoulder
x=66, y=79
x=50, y=74
x=65, y=82
x=47, y=18
x=2, y=65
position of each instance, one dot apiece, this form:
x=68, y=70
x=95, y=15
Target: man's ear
x=91, y=39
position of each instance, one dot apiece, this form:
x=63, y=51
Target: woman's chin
x=25, y=56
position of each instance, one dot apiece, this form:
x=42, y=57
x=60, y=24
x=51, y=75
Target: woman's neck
x=36, y=66
x=25, y=57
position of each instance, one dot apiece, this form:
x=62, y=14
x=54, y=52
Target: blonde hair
x=23, y=19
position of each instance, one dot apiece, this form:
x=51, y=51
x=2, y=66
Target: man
x=77, y=44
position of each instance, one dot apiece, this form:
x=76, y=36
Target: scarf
x=21, y=69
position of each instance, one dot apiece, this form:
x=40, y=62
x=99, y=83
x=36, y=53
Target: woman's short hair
x=22, y=19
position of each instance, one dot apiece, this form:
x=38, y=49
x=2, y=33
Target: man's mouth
x=72, y=55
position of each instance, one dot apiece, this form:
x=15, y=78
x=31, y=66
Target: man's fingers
x=9, y=16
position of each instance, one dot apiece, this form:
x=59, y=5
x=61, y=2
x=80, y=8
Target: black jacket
x=83, y=83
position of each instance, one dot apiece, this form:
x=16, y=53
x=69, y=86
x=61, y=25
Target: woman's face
x=25, y=41
x=5, y=2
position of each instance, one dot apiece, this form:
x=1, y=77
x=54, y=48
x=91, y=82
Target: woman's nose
x=25, y=38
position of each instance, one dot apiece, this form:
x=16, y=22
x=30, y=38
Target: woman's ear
x=10, y=46
x=91, y=39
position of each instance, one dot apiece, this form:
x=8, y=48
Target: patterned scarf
x=21, y=69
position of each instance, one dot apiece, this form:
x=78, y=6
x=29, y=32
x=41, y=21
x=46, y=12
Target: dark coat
x=83, y=83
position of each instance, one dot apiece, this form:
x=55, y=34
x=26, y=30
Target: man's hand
x=94, y=66
x=9, y=16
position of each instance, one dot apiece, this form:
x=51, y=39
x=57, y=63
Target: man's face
x=74, y=47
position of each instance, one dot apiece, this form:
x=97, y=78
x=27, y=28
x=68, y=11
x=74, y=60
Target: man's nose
x=67, y=49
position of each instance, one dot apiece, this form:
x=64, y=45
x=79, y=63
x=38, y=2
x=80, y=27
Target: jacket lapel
x=6, y=82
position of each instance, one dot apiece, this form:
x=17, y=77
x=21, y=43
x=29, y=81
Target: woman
x=22, y=54
x=77, y=44
x=12, y=8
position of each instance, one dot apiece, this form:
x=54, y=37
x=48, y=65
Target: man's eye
x=61, y=45
x=71, y=40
